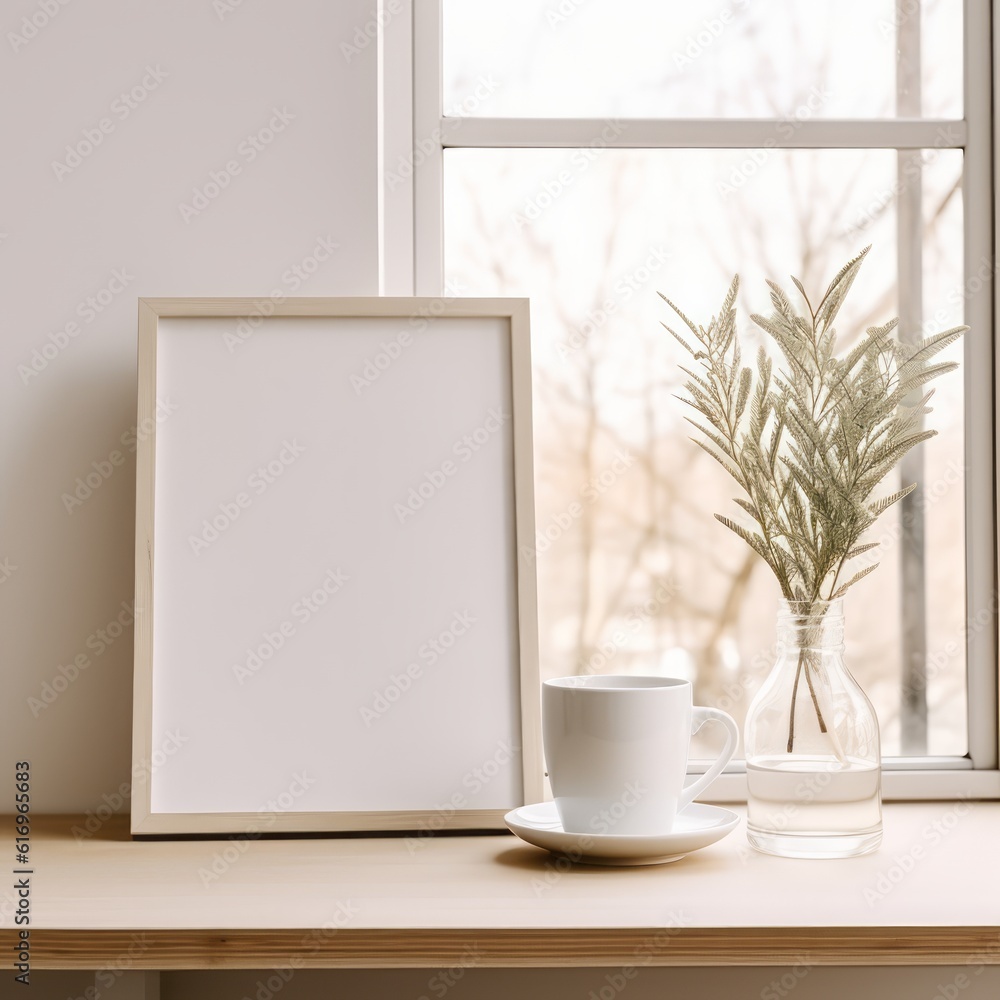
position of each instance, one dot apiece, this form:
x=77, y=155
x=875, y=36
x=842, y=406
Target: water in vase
x=814, y=806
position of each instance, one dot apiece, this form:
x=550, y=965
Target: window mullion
x=427, y=153
x=978, y=371
x=699, y=133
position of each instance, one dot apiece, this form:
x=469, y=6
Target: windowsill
x=903, y=780
x=930, y=895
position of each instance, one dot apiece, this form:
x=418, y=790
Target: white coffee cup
x=617, y=747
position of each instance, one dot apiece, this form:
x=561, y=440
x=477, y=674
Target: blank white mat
x=318, y=645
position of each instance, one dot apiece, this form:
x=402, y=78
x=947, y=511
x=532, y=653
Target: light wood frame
x=144, y=821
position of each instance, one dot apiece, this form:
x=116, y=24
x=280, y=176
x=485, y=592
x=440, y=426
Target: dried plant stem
x=795, y=691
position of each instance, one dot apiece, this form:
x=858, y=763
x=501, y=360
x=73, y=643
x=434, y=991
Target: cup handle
x=699, y=716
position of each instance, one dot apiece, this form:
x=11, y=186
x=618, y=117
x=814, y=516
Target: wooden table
x=931, y=895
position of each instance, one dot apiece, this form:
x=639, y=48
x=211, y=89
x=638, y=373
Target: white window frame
x=413, y=134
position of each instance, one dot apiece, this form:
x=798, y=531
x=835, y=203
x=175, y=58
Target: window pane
x=703, y=58
x=635, y=575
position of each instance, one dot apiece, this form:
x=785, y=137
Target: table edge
x=384, y=948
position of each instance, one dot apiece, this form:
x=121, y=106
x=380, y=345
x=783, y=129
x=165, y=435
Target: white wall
x=217, y=76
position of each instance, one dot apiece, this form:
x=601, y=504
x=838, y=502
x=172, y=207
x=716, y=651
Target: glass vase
x=812, y=745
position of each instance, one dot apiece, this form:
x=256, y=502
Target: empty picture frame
x=335, y=582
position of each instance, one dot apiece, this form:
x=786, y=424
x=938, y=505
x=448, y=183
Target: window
x=588, y=154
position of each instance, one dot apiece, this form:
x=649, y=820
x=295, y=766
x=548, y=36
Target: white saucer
x=696, y=827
